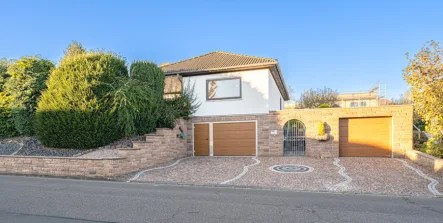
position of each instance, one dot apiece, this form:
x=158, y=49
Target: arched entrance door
x=294, y=138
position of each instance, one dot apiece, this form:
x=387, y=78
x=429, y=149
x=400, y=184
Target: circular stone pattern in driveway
x=324, y=174
x=291, y=168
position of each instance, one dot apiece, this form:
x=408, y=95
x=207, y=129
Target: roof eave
x=232, y=68
x=286, y=97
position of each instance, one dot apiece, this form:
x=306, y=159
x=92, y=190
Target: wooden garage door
x=366, y=137
x=201, y=139
x=234, y=139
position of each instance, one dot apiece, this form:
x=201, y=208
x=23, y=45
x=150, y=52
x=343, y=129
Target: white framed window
x=227, y=88
x=354, y=104
x=363, y=104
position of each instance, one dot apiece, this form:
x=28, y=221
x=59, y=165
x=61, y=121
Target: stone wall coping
x=233, y=115
x=357, y=108
x=142, y=142
x=422, y=154
x=126, y=149
x=59, y=157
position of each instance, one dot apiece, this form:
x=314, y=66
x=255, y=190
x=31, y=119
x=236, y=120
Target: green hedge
x=76, y=111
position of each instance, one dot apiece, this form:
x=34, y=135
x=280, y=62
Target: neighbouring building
x=374, y=97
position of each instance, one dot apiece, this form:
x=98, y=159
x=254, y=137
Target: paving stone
x=200, y=170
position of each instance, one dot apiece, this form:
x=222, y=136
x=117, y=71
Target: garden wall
x=270, y=128
x=401, y=124
x=163, y=146
x=426, y=160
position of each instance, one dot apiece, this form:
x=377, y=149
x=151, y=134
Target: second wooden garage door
x=234, y=139
x=366, y=137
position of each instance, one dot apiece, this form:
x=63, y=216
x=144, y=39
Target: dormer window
x=220, y=89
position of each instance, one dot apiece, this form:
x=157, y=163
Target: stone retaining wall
x=426, y=160
x=163, y=146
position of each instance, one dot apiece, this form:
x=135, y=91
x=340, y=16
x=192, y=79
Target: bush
x=76, y=111
x=183, y=106
x=26, y=82
x=321, y=129
x=324, y=106
x=433, y=147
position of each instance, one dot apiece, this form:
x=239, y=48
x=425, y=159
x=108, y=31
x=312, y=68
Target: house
x=242, y=114
x=357, y=99
x=374, y=97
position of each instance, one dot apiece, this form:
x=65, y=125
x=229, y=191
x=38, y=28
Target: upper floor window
x=228, y=88
x=363, y=104
x=354, y=104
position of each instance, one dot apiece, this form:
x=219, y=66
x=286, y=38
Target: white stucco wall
x=256, y=94
x=274, y=94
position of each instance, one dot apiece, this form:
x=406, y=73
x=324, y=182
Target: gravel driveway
x=387, y=176
x=350, y=175
x=199, y=170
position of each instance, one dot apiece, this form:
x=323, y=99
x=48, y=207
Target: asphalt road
x=32, y=199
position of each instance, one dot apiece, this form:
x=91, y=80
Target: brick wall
x=402, y=126
x=161, y=147
x=272, y=145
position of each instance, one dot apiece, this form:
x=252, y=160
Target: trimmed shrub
x=26, y=82
x=76, y=111
x=321, y=129
x=324, y=106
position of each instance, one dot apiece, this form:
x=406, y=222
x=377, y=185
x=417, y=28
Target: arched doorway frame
x=294, y=138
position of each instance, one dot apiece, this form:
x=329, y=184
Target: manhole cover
x=291, y=168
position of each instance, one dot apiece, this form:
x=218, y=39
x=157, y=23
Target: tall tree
x=314, y=98
x=7, y=127
x=424, y=74
x=75, y=48
x=27, y=81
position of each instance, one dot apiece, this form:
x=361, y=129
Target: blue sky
x=344, y=45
